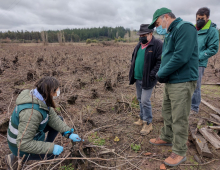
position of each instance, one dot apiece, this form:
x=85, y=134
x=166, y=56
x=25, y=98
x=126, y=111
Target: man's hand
x=152, y=77
x=162, y=80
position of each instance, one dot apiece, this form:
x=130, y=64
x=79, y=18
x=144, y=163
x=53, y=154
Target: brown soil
x=95, y=92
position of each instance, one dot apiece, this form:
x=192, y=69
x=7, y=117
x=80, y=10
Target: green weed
x=58, y=109
x=209, y=124
x=135, y=147
x=135, y=103
x=67, y=167
x=96, y=140
x=134, y=106
x=100, y=79
x=211, y=90
x=199, y=127
x=191, y=159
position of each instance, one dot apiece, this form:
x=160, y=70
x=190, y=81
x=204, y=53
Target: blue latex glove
x=57, y=149
x=75, y=137
x=68, y=132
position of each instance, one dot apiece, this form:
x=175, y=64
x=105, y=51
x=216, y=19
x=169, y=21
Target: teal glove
x=57, y=149
x=75, y=137
x=68, y=132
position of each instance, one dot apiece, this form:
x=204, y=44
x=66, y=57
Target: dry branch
x=198, y=125
x=211, y=84
x=94, y=130
x=210, y=106
x=68, y=116
x=9, y=106
x=215, y=122
x=201, y=144
x=214, y=127
x=208, y=135
x=216, y=117
x=61, y=161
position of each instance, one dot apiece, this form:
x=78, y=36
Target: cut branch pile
x=207, y=133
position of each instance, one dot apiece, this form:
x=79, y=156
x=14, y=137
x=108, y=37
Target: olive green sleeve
x=27, y=143
x=56, y=123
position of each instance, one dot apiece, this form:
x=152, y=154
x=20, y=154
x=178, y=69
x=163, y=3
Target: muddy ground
x=95, y=92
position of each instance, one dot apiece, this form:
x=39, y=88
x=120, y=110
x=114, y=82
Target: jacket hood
x=213, y=25
x=26, y=97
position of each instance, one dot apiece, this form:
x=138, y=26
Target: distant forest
x=68, y=35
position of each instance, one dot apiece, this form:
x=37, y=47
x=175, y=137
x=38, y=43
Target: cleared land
x=95, y=92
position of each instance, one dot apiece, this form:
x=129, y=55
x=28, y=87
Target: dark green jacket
x=208, y=40
x=180, y=59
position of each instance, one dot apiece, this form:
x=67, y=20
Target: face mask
x=160, y=30
x=58, y=93
x=200, y=23
x=143, y=40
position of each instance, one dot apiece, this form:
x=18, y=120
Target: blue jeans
x=52, y=133
x=143, y=97
x=196, y=98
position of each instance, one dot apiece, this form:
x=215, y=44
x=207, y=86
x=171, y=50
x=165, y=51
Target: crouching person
x=42, y=118
x=145, y=63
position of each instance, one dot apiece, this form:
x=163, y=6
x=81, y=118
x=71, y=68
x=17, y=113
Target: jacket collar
x=151, y=43
x=205, y=28
x=41, y=104
x=207, y=25
x=174, y=23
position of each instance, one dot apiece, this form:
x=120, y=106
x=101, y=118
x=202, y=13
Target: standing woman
x=43, y=119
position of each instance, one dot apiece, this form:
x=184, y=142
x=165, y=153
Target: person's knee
x=146, y=102
x=61, y=118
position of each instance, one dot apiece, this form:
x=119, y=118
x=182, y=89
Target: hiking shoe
x=139, y=122
x=192, y=112
x=174, y=159
x=159, y=142
x=146, y=129
x=12, y=161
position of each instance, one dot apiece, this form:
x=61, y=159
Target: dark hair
x=45, y=86
x=170, y=14
x=203, y=11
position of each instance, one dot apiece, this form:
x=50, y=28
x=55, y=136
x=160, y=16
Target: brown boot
x=174, y=159
x=159, y=142
x=146, y=128
x=139, y=122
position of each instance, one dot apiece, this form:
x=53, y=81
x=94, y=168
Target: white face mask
x=58, y=93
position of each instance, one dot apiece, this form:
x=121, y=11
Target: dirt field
x=95, y=93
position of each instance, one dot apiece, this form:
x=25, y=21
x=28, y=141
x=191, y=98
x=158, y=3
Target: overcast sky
x=40, y=15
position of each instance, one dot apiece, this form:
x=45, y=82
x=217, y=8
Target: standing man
x=208, y=42
x=179, y=72
x=145, y=63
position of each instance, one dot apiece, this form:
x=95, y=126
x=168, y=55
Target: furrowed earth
x=98, y=102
